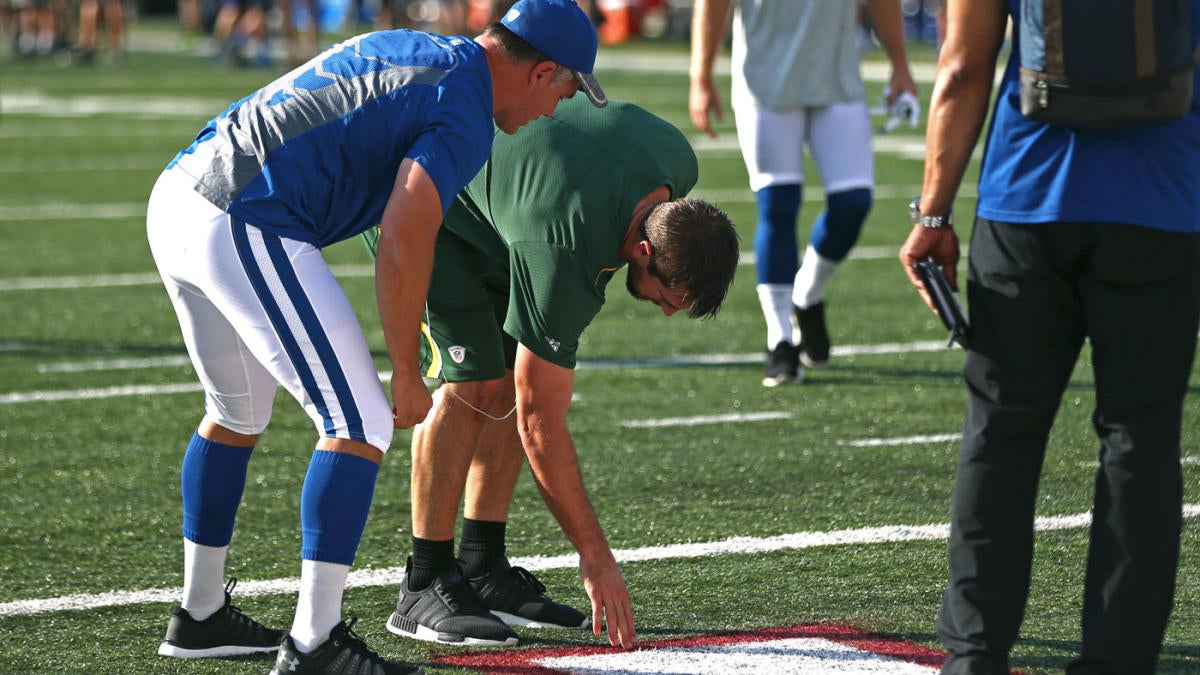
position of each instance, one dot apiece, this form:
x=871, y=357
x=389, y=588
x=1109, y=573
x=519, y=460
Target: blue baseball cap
x=564, y=32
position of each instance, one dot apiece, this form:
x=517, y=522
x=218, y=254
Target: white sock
x=319, y=608
x=812, y=278
x=203, y=579
x=776, y=302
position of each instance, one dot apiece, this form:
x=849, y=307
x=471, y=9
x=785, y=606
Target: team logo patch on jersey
x=457, y=353
x=554, y=344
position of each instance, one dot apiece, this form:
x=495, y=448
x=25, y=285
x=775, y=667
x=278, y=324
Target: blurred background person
x=797, y=83
x=90, y=12
x=241, y=26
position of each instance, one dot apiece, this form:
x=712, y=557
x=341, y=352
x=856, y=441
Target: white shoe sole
x=514, y=620
x=168, y=649
x=430, y=635
x=783, y=379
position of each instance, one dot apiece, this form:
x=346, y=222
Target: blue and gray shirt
x=313, y=156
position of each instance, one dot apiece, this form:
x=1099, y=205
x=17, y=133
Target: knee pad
x=775, y=246
x=838, y=227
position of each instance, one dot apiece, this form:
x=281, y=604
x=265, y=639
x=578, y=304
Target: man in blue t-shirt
x=382, y=129
x=1079, y=235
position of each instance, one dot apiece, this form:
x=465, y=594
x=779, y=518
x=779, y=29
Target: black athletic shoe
x=783, y=365
x=519, y=599
x=344, y=653
x=228, y=632
x=814, y=337
x=448, y=612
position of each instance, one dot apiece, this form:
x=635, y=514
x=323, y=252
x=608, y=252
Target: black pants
x=1035, y=293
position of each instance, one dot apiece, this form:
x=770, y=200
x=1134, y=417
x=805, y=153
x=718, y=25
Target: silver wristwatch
x=933, y=222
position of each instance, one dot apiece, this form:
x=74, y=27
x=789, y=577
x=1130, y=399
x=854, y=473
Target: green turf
x=89, y=496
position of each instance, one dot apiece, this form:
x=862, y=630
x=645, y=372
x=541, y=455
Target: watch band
x=932, y=222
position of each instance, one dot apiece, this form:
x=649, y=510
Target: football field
x=737, y=510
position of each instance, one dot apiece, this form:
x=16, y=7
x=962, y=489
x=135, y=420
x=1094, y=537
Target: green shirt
x=552, y=206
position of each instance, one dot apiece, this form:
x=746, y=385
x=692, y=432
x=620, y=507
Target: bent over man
x=384, y=129
x=520, y=270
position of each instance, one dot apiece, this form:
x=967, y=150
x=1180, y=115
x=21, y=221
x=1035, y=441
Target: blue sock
x=775, y=245
x=212, y=480
x=838, y=227
x=334, y=505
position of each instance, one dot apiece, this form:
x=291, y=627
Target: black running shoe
x=228, y=632
x=814, y=337
x=344, y=653
x=448, y=611
x=519, y=599
x=783, y=365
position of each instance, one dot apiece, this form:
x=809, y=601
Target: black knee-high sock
x=482, y=545
x=429, y=559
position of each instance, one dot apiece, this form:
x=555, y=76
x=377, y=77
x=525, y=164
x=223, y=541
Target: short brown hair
x=695, y=249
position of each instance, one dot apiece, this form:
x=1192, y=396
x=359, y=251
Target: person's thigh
x=238, y=390
x=772, y=143
x=1142, y=298
x=290, y=315
x=839, y=138
x=463, y=336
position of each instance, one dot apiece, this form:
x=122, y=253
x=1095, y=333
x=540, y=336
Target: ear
x=542, y=70
x=644, y=248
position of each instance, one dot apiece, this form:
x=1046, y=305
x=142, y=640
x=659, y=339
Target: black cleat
x=449, y=612
x=814, y=337
x=228, y=632
x=344, y=653
x=519, y=599
x=783, y=365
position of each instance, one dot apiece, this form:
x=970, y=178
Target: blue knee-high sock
x=838, y=227
x=212, y=480
x=334, y=505
x=775, y=245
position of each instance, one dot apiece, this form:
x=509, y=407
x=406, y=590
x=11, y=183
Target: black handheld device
x=944, y=300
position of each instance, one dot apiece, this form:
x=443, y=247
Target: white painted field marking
x=99, y=393
x=706, y=419
x=114, y=364
x=38, y=212
x=391, y=576
x=902, y=440
x=1187, y=459
x=125, y=210
x=74, y=282
x=187, y=387
x=790, y=656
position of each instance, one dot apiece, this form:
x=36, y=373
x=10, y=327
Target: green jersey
x=551, y=208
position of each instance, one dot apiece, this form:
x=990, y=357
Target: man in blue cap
x=383, y=130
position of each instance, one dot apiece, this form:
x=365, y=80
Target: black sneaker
x=783, y=365
x=228, y=632
x=814, y=337
x=344, y=653
x=519, y=599
x=448, y=612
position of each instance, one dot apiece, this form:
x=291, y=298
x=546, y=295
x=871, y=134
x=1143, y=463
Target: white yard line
x=391, y=576
x=902, y=440
x=13, y=398
x=706, y=419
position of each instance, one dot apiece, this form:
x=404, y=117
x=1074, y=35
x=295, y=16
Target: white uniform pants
x=259, y=311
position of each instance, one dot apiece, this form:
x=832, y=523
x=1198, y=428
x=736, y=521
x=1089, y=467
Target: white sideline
x=13, y=398
x=340, y=271
x=392, y=575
